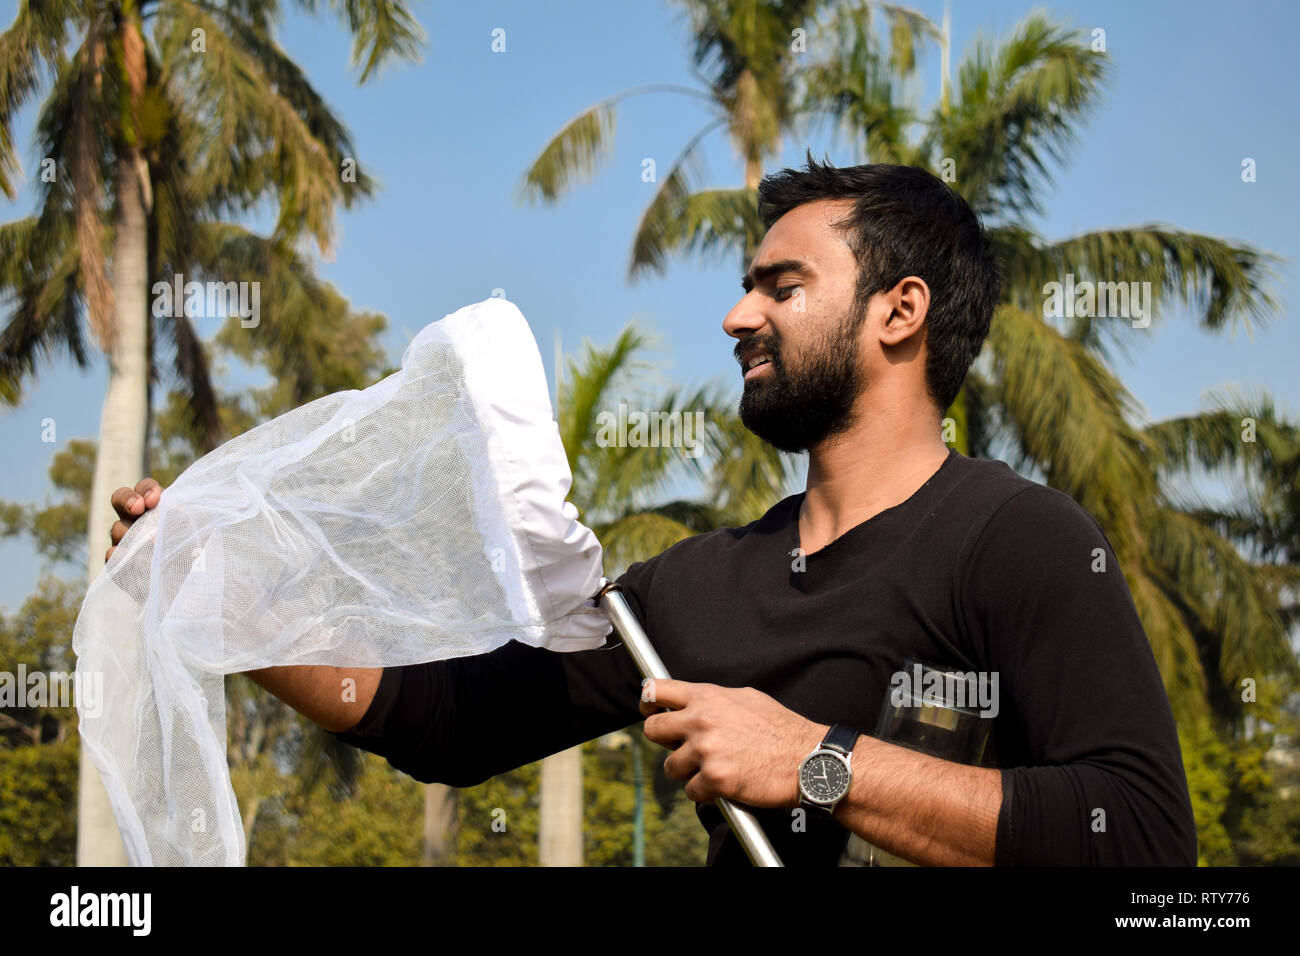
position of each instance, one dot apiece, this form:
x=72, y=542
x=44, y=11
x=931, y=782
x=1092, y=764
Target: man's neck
x=880, y=461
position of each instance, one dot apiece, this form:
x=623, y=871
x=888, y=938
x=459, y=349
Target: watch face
x=824, y=778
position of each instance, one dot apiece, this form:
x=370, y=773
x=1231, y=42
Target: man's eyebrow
x=759, y=273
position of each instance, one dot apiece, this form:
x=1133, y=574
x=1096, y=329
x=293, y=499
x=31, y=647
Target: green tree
x=1249, y=816
x=38, y=743
x=371, y=821
x=497, y=820
x=752, y=59
x=120, y=130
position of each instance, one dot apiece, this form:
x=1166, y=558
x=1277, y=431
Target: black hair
x=906, y=221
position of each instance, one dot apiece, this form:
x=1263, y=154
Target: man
x=865, y=305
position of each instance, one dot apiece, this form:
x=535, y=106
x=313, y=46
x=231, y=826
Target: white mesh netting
x=420, y=519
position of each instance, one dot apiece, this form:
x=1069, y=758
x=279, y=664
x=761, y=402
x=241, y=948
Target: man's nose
x=745, y=318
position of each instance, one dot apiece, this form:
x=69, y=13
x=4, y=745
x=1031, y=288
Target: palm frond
x=1071, y=416
x=287, y=80
x=746, y=474
x=193, y=380
x=666, y=448
x=1238, y=607
x=907, y=28
x=1222, y=281
x=712, y=223
x=258, y=140
x=590, y=382
x=857, y=83
x=382, y=30
x=34, y=42
x=678, y=219
x=310, y=343
x=572, y=155
x=1016, y=112
x=1161, y=606
x=39, y=266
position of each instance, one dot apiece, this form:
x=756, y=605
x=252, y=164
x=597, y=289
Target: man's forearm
x=921, y=808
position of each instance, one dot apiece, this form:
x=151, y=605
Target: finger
x=125, y=502
x=666, y=693
x=683, y=763
x=119, y=529
x=667, y=729
x=698, y=790
x=149, y=490
x=647, y=704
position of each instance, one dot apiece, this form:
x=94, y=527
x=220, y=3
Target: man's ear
x=909, y=303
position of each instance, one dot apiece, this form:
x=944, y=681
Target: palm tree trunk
x=439, y=823
x=560, y=825
x=753, y=175
x=120, y=459
x=559, y=797
x=250, y=819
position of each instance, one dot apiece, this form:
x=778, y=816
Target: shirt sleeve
x=464, y=720
x=1103, y=783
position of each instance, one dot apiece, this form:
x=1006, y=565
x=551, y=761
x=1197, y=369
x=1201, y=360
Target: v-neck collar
x=915, y=498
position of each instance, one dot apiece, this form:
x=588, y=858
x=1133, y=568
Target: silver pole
x=742, y=822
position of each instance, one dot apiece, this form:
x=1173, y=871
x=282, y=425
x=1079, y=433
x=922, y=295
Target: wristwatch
x=825, y=774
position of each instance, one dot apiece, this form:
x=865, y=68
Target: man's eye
x=780, y=296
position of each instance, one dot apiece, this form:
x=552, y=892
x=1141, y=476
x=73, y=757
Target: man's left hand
x=733, y=742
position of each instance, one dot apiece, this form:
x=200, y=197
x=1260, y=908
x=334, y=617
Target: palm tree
x=752, y=59
x=120, y=128
x=1251, y=439
x=1247, y=551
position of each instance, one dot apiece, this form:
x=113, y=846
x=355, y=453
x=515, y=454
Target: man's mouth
x=757, y=366
x=753, y=360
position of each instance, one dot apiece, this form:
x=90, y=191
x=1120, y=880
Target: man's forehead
x=806, y=233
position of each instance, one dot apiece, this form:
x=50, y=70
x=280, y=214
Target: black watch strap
x=841, y=737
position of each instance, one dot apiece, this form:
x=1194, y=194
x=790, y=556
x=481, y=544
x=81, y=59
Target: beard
x=794, y=409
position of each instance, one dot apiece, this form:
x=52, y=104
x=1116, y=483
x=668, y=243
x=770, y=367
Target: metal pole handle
x=742, y=822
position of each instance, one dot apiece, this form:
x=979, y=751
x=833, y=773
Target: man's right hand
x=131, y=503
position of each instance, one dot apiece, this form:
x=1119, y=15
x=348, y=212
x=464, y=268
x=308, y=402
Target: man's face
x=799, y=312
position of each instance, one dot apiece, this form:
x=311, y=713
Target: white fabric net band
x=420, y=519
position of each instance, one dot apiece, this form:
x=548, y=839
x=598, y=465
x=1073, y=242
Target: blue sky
x=1194, y=88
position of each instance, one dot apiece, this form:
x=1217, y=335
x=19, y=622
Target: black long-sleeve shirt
x=981, y=570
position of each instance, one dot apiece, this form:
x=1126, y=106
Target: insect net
x=420, y=519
